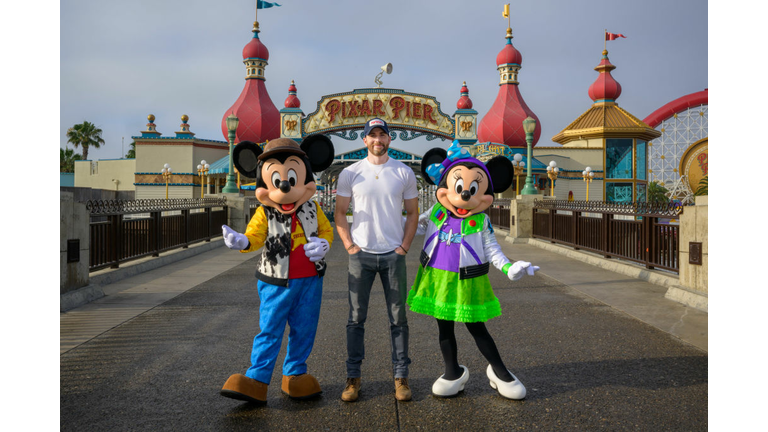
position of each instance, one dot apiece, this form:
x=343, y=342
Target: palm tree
x=703, y=187
x=67, y=160
x=657, y=192
x=86, y=135
x=132, y=152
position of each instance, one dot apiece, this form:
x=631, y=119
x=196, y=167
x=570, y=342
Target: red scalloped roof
x=605, y=86
x=259, y=118
x=504, y=122
x=255, y=49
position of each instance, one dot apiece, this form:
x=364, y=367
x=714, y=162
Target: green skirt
x=443, y=295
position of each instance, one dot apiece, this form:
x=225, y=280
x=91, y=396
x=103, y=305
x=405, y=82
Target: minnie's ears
x=502, y=173
x=245, y=157
x=433, y=156
x=319, y=150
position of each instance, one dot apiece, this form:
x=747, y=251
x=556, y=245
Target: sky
x=121, y=61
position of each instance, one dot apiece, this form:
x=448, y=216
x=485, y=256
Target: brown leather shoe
x=352, y=390
x=402, y=391
x=242, y=388
x=300, y=386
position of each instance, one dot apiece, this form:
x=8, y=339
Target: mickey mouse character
x=452, y=282
x=295, y=235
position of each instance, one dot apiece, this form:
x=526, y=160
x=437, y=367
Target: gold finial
x=605, y=52
x=292, y=83
x=184, y=118
x=465, y=83
x=509, y=32
x=151, y=118
x=255, y=26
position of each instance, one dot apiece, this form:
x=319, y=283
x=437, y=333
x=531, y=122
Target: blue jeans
x=363, y=268
x=298, y=305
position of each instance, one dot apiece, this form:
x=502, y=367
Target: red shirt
x=300, y=266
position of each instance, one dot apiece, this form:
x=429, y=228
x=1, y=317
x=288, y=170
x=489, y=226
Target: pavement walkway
x=596, y=349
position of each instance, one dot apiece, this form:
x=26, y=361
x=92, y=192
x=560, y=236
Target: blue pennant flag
x=264, y=5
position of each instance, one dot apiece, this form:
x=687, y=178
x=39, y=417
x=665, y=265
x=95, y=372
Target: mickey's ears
x=502, y=173
x=245, y=157
x=319, y=150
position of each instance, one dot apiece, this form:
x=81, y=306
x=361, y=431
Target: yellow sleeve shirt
x=256, y=231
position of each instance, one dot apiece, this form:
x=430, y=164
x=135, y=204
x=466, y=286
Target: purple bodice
x=448, y=250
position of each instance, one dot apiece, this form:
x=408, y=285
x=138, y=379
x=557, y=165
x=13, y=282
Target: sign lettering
x=398, y=108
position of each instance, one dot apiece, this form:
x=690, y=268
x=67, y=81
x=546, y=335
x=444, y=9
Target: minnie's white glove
x=423, y=223
x=520, y=268
x=233, y=239
x=316, y=248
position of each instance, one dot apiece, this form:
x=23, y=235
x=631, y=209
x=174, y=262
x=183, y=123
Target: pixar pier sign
x=401, y=110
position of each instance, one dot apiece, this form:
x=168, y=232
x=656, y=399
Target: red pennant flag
x=613, y=36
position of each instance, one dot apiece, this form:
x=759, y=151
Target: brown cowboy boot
x=352, y=390
x=241, y=387
x=300, y=386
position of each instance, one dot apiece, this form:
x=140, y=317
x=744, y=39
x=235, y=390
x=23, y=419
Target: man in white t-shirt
x=379, y=187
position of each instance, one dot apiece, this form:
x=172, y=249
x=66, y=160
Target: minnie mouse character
x=452, y=283
x=295, y=235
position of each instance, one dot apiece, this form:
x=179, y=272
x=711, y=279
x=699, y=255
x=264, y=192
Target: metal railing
x=499, y=212
x=125, y=230
x=638, y=232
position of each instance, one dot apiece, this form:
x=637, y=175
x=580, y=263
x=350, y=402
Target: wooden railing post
x=551, y=225
x=156, y=232
x=115, y=248
x=575, y=229
x=209, y=223
x=647, y=234
x=606, y=233
x=187, y=227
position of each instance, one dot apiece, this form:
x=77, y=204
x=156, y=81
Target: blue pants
x=363, y=268
x=298, y=305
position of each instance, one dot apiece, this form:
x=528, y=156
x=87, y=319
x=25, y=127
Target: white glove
x=233, y=239
x=316, y=248
x=423, y=223
x=520, y=268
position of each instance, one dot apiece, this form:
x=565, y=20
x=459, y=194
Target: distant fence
x=637, y=232
x=500, y=213
x=125, y=230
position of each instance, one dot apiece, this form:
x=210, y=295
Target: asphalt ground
x=586, y=364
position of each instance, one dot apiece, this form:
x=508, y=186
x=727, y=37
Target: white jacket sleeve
x=491, y=247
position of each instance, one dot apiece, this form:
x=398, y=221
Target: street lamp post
x=587, y=175
x=519, y=165
x=166, y=171
x=202, y=170
x=230, y=187
x=529, y=125
x=552, y=172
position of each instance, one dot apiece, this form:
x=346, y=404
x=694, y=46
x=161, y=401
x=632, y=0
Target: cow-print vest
x=273, y=263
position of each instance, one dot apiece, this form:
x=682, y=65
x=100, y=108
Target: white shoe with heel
x=445, y=388
x=510, y=390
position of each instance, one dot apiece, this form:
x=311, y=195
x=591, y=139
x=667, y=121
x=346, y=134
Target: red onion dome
x=255, y=49
x=464, y=101
x=605, y=88
x=509, y=54
x=292, y=101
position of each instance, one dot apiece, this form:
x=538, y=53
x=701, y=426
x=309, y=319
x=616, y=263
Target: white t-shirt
x=377, y=221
